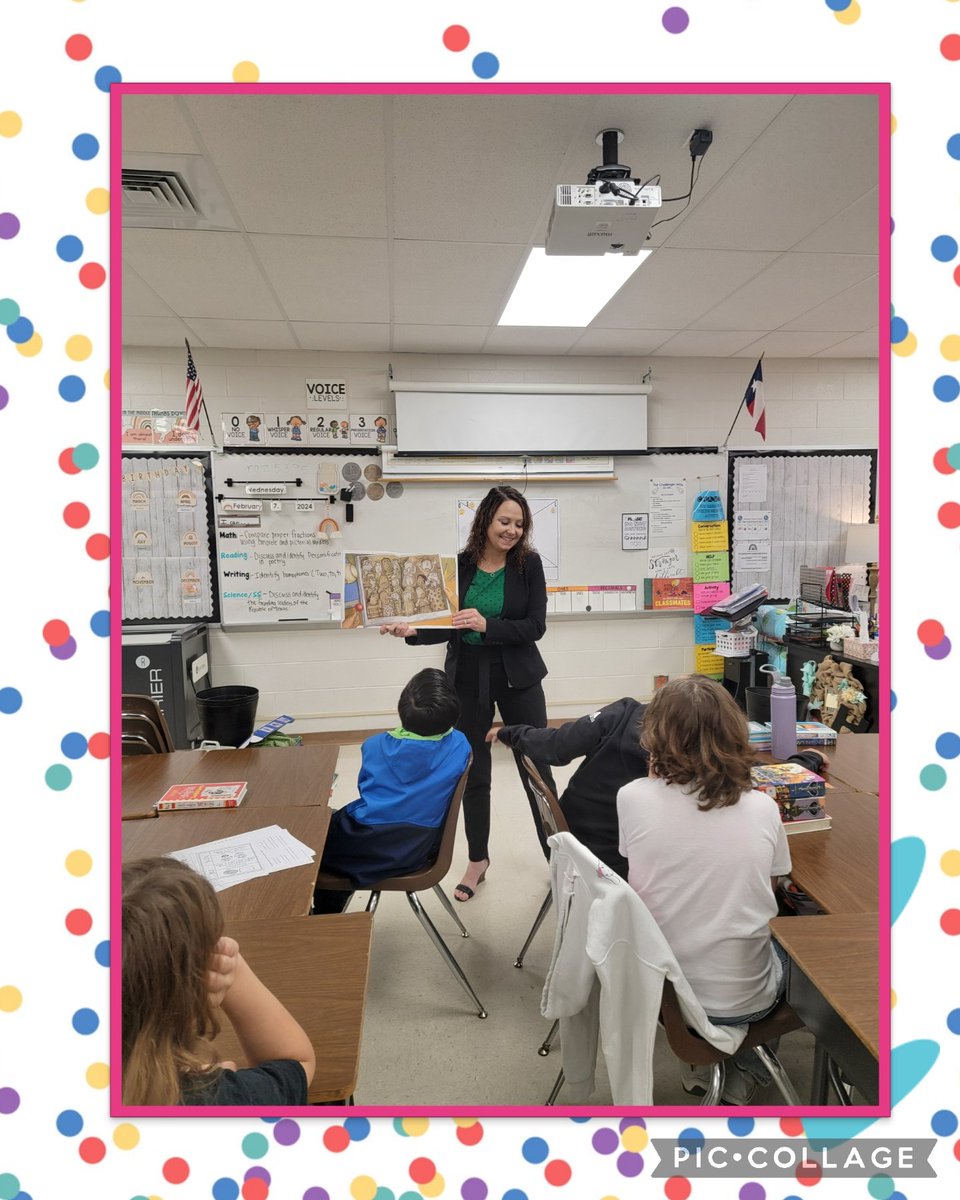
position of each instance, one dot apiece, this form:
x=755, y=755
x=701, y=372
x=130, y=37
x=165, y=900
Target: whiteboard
x=410, y=518
x=502, y=423
x=811, y=499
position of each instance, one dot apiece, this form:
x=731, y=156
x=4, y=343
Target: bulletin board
x=586, y=537
x=791, y=508
x=165, y=527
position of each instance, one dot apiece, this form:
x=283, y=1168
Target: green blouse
x=485, y=594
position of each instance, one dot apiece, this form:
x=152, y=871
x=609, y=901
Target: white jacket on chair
x=606, y=977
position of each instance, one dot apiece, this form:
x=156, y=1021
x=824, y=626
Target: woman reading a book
x=492, y=656
x=705, y=852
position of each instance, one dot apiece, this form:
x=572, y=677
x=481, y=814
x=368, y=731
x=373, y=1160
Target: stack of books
x=201, y=795
x=798, y=792
x=809, y=733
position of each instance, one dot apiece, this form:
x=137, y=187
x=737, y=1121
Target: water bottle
x=783, y=715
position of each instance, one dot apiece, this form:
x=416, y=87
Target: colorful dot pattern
x=54, y=348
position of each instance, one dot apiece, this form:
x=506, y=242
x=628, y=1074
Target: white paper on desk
x=243, y=856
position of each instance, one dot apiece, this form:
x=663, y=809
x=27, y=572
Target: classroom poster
x=706, y=661
x=666, y=562
x=751, y=526
x=668, y=508
x=709, y=535
x=705, y=595
x=751, y=482
x=634, y=531
x=711, y=566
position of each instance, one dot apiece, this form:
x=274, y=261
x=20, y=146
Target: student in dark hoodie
x=407, y=778
x=609, y=743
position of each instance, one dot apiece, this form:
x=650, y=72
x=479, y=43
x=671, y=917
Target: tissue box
x=864, y=651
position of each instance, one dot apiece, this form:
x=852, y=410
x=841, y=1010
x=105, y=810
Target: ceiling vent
x=172, y=191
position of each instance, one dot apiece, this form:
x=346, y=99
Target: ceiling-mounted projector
x=609, y=214
x=587, y=220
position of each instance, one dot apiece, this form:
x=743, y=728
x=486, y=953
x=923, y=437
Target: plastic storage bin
x=228, y=715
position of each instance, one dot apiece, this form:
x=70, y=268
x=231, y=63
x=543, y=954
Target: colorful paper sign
x=711, y=566
x=705, y=629
x=707, y=662
x=705, y=595
x=710, y=535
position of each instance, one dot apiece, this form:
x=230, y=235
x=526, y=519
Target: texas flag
x=753, y=398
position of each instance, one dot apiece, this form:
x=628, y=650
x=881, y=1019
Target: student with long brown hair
x=705, y=852
x=178, y=972
x=492, y=656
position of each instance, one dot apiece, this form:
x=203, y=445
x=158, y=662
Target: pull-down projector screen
x=444, y=423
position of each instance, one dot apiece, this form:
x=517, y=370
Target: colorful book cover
x=201, y=795
x=668, y=593
x=787, y=781
x=815, y=733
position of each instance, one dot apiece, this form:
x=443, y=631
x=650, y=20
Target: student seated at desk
x=610, y=740
x=706, y=851
x=178, y=971
x=406, y=782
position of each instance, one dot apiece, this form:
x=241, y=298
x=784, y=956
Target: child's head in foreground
x=695, y=734
x=171, y=924
x=428, y=704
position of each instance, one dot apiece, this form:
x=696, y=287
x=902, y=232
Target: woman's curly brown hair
x=486, y=510
x=695, y=734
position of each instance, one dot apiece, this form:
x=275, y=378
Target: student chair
x=417, y=881
x=690, y=1048
x=144, y=725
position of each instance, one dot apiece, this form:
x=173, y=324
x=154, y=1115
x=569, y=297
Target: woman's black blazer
x=521, y=625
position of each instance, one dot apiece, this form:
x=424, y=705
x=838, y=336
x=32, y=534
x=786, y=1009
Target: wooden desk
x=832, y=986
x=855, y=762
x=281, y=894
x=317, y=967
x=287, y=776
x=839, y=867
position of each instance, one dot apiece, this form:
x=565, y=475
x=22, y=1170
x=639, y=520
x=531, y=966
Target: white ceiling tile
x=327, y=279
x=788, y=345
x=708, y=343
x=622, y=341
x=299, y=164
x=439, y=339
x=244, y=335
x=861, y=345
x=817, y=157
x=672, y=288
x=336, y=335
x=525, y=339
x=789, y=287
x=139, y=300
x=852, y=231
x=156, y=125
x=201, y=273
x=435, y=280
x=154, y=331
x=850, y=310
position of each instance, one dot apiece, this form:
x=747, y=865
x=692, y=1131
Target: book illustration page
x=415, y=589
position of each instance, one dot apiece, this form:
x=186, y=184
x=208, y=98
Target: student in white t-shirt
x=705, y=851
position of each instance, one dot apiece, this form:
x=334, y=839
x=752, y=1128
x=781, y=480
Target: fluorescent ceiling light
x=567, y=289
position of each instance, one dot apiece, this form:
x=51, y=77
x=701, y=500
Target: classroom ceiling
x=400, y=223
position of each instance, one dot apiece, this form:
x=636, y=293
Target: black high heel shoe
x=469, y=892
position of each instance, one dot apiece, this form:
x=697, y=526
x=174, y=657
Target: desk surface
x=838, y=954
x=855, y=762
x=286, y=893
x=317, y=966
x=287, y=776
x=839, y=867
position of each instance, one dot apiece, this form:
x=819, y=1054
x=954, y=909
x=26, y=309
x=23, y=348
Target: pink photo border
x=117, y=92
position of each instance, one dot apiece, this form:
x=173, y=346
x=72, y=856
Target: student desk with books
x=287, y=776
x=855, y=763
x=832, y=985
x=287, y=893
x=317, y=967
x=838, y=867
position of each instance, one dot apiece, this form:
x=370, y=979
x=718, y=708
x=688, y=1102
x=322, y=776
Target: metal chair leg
x=780, y=1077
x=544, y=909
x=833, y=1074
x=441, y=945
x=373, y=902
x=714, y=1090
x=445, y=901
x=547, y=1043
x=552, y=1098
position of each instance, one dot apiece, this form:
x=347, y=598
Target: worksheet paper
x=668, y=508
x=251, y=855
x=751, y=482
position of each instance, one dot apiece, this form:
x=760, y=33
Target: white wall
x=328, y=681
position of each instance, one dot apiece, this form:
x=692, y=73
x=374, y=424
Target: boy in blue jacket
x=407, y=779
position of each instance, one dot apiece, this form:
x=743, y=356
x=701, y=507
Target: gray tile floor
x=423, y=1043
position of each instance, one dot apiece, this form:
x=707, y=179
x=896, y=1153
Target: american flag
x=753, y=398
x=194, y=392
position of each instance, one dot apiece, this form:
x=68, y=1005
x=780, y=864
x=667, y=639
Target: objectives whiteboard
x=274, y=565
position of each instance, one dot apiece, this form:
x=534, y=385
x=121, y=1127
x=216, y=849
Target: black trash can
x=228, y=715
x=758, y=704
